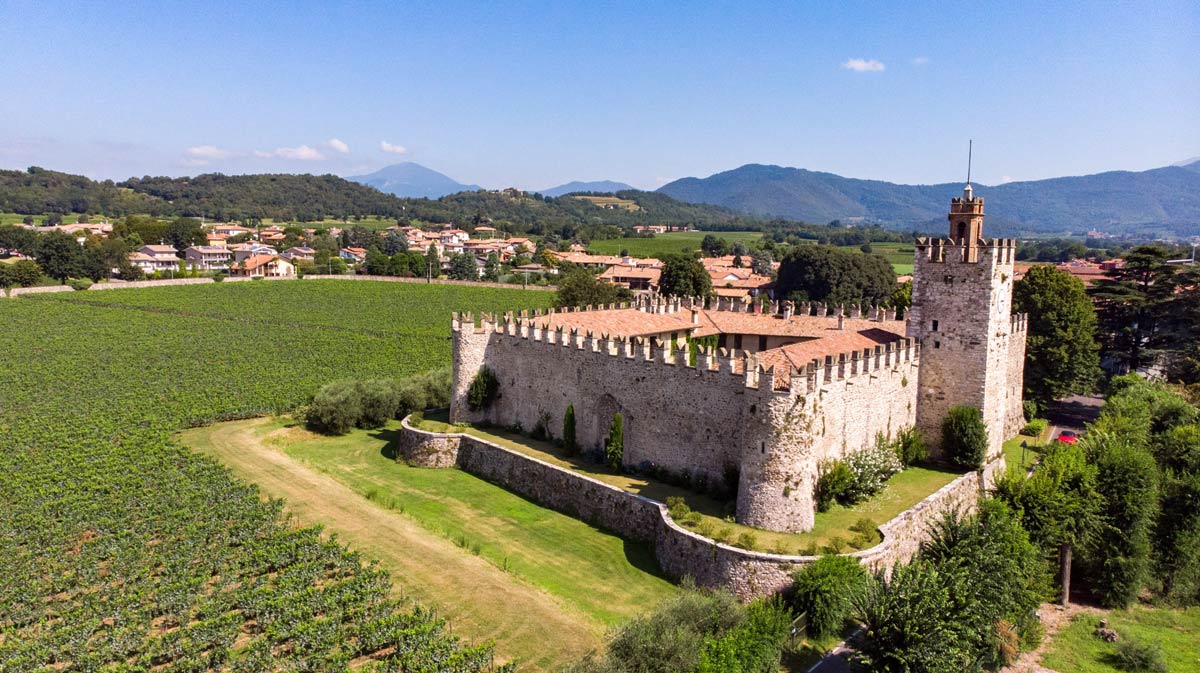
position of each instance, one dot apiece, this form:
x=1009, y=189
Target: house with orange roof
x=268, y=266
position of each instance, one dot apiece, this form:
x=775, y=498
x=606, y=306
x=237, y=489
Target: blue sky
x=535, y=94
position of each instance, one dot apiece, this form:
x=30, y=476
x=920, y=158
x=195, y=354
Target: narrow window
x=935, y=325
x=762, y=342
x=937, y=344
x=737, y=340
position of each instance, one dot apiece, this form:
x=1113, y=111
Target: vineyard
x=126, y=552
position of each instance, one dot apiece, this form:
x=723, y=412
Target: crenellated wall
x=680, y=552
x=723, y=415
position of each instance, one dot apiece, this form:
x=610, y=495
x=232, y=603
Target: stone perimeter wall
x=680, y=552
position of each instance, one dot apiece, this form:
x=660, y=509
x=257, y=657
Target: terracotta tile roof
x=251, y=263
x=619, y=322
x=729, y=322
x=838, y=341
x=621, y=271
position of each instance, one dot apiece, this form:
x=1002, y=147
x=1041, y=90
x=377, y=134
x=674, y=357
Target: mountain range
x=1153, y=202
x=599, y=186
x=411, y=180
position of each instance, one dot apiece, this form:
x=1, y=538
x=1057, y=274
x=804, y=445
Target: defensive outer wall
x=724, y=414
x=679, y=552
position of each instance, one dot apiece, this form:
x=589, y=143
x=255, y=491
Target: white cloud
x=392, y=149
x=920, y=60
x=1005, y=178
x=863, y=65
x=301, y=153
x=201, y=155
x=337, y=146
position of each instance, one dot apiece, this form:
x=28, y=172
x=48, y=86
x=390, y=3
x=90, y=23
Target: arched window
x=962, y=231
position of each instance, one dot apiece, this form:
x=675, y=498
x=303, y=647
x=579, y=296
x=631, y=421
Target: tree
x=570, y=445
x=54, y=220
x=463, y=267
x=433, y=262
x=18, y=239
x=184, y=232
x=684, y=276
x=901, y=298
x=398, y=265
x=376, y=263
x=1181, y=331
x=964, y=437
x=737, y=261
x=826, y=591
x=394, y=243
x=1061, y=353
x=836, y=277
x=712, y=246
x=24, y=273
x=614, y=447
x=1131, y=303
x=59, y=256
x=491, y=269
x=578, y=287
x=760, y=262
x=1127, y=484
x=1058, y=504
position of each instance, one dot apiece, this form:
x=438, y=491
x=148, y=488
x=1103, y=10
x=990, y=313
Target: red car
x=1068, y=437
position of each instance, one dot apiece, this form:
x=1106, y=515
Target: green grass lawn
x=832, y=528
x=667, y=243
x=606, y=577
x=1076, y=650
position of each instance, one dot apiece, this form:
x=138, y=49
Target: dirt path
x=481, y=601
x=1054, y=618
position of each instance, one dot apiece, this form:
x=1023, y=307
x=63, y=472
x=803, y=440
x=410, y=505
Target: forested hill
x=1162, y=200
x=307, y=198
x=312, y=198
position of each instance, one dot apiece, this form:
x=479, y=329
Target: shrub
x=826, y=590
x=834, y=478
x=219, y=277
x=870, y=470
x=614, y=448
x=753, y=646
x=541, y=429
x=570, y=444
x=677, y=507
x=965, y=438
x=1034, y=428
x=335, y=408
x=1030, y=408
x=79, y=284
x=483, y=389
x=1135, y=655
x=910, y=446
x=747, y=540
x=378, y=400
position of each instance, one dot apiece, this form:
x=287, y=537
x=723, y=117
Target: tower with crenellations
x=973, y=348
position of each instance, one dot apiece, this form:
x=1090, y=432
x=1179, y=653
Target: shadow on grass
x=390, y=437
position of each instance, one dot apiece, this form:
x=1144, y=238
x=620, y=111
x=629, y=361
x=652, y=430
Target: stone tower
x=972, y=347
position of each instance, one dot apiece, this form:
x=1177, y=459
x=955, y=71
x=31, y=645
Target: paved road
x=1073, y=413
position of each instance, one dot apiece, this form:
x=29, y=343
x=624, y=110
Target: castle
x=783, y=388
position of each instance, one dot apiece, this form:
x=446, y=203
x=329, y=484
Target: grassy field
x=899, y=254
x=1076, y=649
x=474, y=550
x=832, y=528
x=602, y=201
x=682, y=241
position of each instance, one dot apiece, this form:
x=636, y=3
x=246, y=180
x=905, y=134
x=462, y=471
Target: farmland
x=122, y=546
x=899, y=254
x=666, y=243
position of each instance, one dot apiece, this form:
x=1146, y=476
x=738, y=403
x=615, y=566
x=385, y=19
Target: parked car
x=1068, y=437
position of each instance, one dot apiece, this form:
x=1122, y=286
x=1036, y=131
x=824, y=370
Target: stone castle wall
x=723, y=416
x=679, y=552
